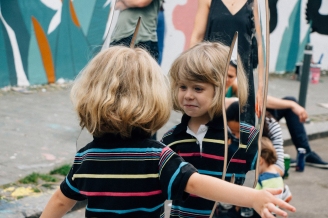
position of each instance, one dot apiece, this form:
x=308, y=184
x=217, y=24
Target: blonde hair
x=206, y=63
x=119, y=90
x=268, y=152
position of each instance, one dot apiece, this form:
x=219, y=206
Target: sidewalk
x=38, y=131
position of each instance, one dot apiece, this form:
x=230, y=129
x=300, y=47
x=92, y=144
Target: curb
x=314, y=136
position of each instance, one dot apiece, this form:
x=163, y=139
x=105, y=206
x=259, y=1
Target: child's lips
x=190, y=105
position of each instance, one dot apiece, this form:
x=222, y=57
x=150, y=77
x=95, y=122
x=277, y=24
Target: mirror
x=245, y=154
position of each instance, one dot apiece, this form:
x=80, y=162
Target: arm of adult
x=277, y=103
x=58, y=205
x=229, y=101
x=124, y=4
x=263, y=201
x=260, y=89
x=200, y=23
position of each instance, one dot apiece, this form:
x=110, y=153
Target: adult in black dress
x=218, y=20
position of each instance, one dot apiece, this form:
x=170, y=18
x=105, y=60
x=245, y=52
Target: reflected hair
x=268, y=152
x=206, y=63
x=121, y=89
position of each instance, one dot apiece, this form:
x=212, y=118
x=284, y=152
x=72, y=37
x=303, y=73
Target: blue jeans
x=160, y=35
x=150, y=46
x=295, y=127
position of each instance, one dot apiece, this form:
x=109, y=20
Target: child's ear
x=261, y=160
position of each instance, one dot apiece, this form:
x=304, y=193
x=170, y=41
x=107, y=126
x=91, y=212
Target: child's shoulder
x=170, y=132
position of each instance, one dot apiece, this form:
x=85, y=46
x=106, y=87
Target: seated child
x=122, y=97
x=269, y=177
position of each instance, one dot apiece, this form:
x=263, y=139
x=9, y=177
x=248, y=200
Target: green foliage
x=33, y=178
x=63, y=170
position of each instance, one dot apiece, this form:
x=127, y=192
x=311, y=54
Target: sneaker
x=312, y=159
x=286, y=194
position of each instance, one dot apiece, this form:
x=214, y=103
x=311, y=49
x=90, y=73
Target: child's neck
x=269, y=169
x=195, y=122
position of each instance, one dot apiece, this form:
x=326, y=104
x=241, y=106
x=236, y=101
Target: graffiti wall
x=293, y=24
x=42, y=41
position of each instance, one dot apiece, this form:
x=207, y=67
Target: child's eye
x=183, y=87
x=198, y=89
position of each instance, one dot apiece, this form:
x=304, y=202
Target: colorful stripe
x=125, y=211
x=181, y=141
x=188, y=212
x=166, y=155
x=113, y=176
x=72, y=187
x=169, y=132
x=118, y=150
x=173, y=178
x=197, y=154
x=122, y=194
x=214, y=141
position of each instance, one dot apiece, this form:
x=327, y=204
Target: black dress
x=221, y=27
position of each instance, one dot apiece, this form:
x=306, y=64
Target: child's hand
x=267, y=203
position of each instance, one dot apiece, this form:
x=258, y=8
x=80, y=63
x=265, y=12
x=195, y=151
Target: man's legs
x=295, y=127
x=298, y=134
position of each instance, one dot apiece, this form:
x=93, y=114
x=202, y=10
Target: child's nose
x=189, y=94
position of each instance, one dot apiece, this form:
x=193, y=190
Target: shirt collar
x=216, y=123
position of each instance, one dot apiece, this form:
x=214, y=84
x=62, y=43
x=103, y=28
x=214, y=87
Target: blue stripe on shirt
x=124, y=211
x=72, y=187
x=173, y=178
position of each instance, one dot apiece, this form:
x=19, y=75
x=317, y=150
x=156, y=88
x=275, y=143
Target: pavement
x=39, y=130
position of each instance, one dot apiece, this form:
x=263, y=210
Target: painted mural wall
x=42, y=41
x=289, y=27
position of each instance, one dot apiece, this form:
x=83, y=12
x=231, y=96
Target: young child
x=197, y=78
x=121, y=97
x=269, y=177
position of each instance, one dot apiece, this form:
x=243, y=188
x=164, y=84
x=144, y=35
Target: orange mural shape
x=73, y=14
x=45, y=51
x=183, y=19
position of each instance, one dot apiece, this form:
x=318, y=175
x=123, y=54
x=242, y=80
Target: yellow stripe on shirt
x=115, y=176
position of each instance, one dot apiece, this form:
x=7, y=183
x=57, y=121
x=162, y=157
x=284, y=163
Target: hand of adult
x=259, y=103
x=300, y=112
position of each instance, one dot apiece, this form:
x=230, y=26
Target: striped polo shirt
x=129, y=177
x=208, y=161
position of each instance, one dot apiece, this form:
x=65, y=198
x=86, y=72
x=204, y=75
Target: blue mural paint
x=37, y=74
x=98, y=25
x=10, y=57
x=64, y=55
x=8, y=8
x=301, y=48
x=4, y=76
x=288, y=51
x=38, y=10
x=84, y=10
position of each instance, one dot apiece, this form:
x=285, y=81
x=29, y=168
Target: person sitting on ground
x=272, y=131
x=269, y=177
x=295, y=115
x=121, y=97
